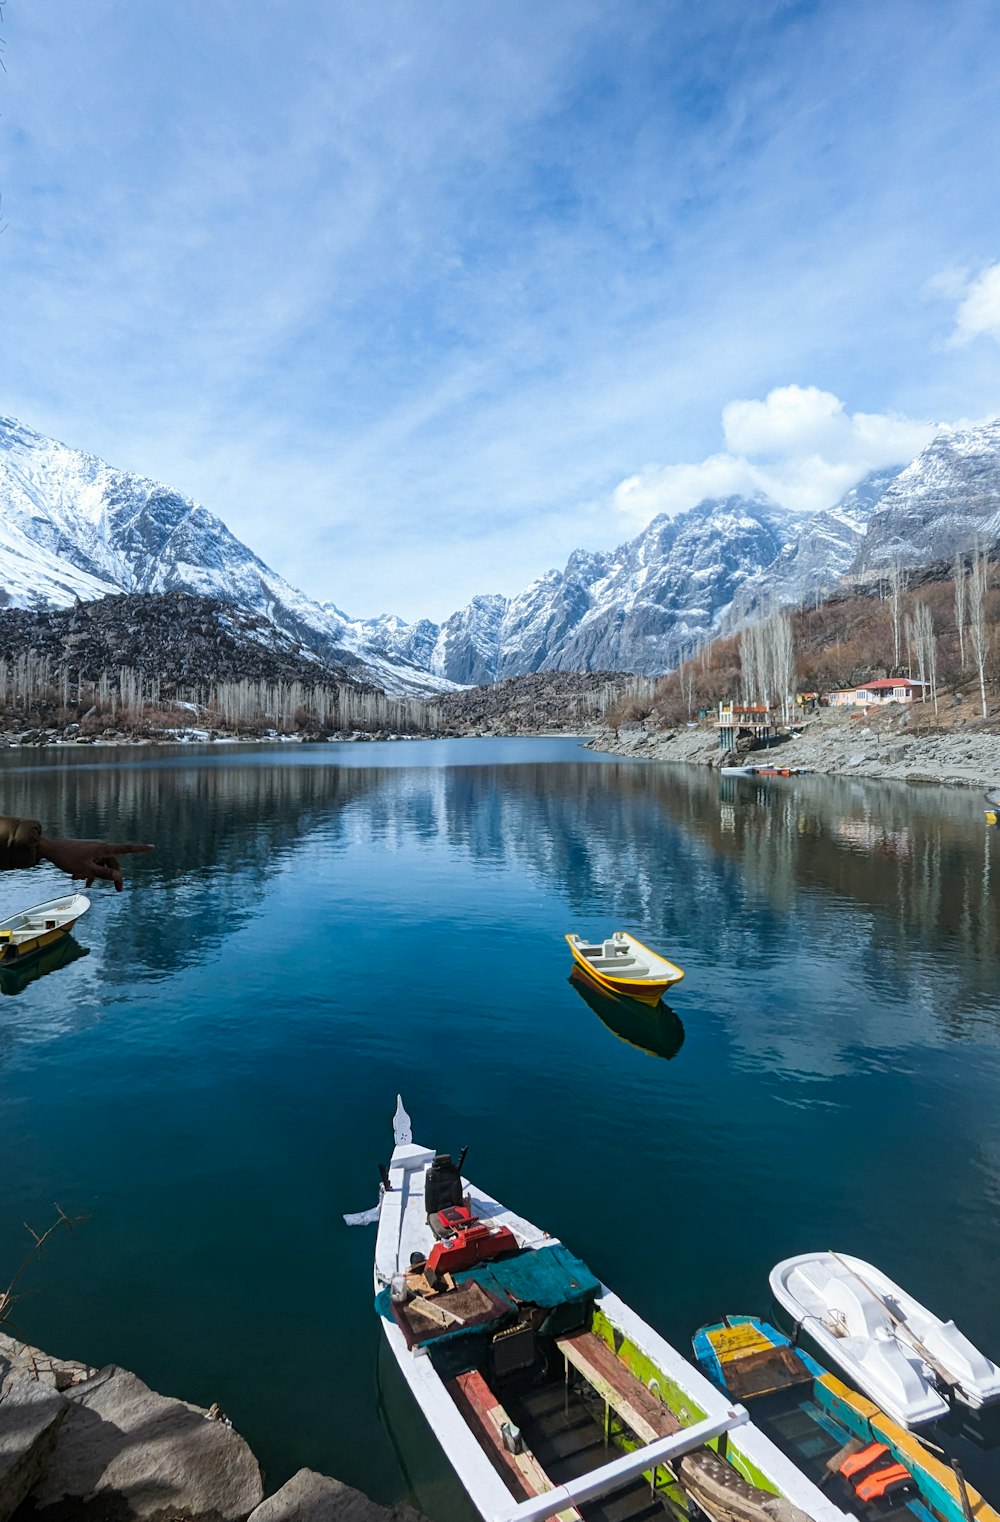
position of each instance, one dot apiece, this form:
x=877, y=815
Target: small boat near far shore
x=623, y=965
x=764, y=771
x=25, y=934
x=869, y=1466
x=887, y=1343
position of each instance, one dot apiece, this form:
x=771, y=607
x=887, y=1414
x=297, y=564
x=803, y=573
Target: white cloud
x=799, y=446
x=979, y=311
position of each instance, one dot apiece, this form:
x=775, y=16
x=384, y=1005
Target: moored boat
x=888, y=1344
x=547, y=1393
x=867, y=1463
x=32, y=930
x=624, y=965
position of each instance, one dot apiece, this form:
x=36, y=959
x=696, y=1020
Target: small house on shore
x=745, y=722
x=889, y=689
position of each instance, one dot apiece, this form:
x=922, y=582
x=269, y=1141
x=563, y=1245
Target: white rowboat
x=888, y=1344
x=32, y=930
x=528, y=1343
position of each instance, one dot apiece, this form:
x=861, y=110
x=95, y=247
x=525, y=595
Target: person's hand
x=89, y=859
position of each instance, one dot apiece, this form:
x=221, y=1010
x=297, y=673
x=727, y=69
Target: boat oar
x=947, y=1379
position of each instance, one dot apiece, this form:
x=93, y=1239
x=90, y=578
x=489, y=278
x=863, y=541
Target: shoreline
x=879, y=747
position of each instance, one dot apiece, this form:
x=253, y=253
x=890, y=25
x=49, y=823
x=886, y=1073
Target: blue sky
x=420, y=297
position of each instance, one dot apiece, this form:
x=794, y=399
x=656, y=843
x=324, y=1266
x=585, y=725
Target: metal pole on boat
x=963, y=1491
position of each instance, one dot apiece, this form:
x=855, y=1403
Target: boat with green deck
x=548, y=1394
x=870, y=1465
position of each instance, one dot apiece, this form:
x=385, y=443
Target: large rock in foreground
x=30, y=1418
x=312, y=1497
x=124, y=1452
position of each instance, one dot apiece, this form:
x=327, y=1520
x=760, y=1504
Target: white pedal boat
x=509, y=1360
x=888, y=1344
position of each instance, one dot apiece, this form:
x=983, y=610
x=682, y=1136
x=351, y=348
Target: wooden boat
x=25, y=934
x=547, y=1393
x=16, y=977
x=649, y=1028
x=887, y=1343
x=867, y=1463
x=624, y=965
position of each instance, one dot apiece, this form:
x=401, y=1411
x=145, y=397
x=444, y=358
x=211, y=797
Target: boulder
x=56, y=1373
x=312, y=1497
x=128, y=1453
x=30, y=1417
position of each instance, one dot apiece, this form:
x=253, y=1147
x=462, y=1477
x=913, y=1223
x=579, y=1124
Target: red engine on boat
x=476, y=1244
x=454, y=1218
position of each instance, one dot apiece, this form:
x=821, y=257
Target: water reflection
x=14, y=980
x=822, y=883
x=656, y=1030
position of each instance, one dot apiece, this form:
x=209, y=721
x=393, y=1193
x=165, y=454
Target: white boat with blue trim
x=548, y=1394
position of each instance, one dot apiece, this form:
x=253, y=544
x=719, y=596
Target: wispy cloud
x=403, y=293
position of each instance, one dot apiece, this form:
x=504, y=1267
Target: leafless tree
x=897, y=581
x=961, y=598
x=979, y=633
x=921, y=631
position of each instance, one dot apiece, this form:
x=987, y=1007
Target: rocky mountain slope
x=642, y=606
x=181, y=639
x=72, y=526
x=945, y=501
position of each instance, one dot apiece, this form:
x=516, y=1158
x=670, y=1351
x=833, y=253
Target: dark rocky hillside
x=181, y=639
x=542, y=701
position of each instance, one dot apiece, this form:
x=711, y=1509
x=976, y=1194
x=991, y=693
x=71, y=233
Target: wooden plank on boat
x=764, y=1371
x=647, y=1416
x=487, y=1417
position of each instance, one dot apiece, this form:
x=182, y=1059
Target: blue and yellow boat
x=865, y=1463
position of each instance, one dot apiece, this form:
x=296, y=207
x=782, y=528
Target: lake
x=212, y=1084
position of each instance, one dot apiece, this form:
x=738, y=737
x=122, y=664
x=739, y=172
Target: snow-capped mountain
x=71, y=526
x=635, y=608
x=944, y=502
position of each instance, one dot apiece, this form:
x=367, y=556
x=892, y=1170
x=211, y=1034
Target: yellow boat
x=624, y=965
x=31, y=931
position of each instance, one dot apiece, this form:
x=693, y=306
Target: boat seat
x=626, y=1394
x=612, y=964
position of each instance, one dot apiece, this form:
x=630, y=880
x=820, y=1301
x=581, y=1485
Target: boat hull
x=26, y=935
x=840, y=1413
x=698, y=1411
x=647, y=990
x=844, y=1304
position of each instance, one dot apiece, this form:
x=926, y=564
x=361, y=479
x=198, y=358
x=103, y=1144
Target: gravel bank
x=897, y=748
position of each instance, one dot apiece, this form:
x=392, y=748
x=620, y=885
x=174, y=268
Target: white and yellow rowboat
x=624, y=965
x=31, y=931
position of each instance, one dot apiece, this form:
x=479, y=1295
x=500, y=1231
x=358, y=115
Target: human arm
x=22, y=844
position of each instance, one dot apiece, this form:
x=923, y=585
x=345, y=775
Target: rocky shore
x=97, y=1445
x=899, y=746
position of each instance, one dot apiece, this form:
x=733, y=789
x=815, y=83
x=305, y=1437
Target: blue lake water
x=320, y=927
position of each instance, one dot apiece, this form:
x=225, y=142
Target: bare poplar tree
x=961, y=597
x=979, y=634
x=896, y=581
x=922, y=625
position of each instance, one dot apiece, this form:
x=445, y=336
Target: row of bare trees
x=767, y=659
